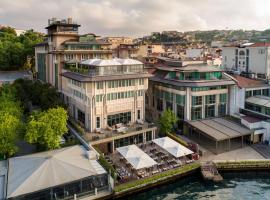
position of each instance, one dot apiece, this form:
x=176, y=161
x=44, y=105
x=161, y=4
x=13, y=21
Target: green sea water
x=235, y=186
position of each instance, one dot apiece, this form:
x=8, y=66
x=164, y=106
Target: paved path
x=245, y=153
x=263, y=149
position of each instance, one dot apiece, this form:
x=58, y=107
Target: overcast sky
x=138, y=17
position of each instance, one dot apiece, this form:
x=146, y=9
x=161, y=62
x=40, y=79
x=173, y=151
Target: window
x=180, y=110
x=196, y=113
x=159, y=104
x=169, y=105
x=265, y=92
x=172, y=75
x=119, y=118
x=139, y=114
x=196, y=100
x=222, y=109
x=210, y=99
x=223, y=98
x=141, y=81
x=98, y=122
x=248, y=94
x=257, y=92
x=209, y=111
x=180, y=99
x=261, y=51
x=267, y=111
x=81, y=116
x=99, y=85
x=148, y=135
x=99, y=98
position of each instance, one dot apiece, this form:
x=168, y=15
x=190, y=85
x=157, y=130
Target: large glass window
x=159, y=104
x=99, y=85
x=248, y=94
x=98, y=122
x=81, y=116
x=180, y=99
x=265, y=92
x=210, y=111
x=196, y=113
x=257, y=92
x=222, y=109
x=180, y=111
x=148, y=135
x=210, y=99
x=196, y=100
x=223, y=98
x=119, y=118
x=169, y=105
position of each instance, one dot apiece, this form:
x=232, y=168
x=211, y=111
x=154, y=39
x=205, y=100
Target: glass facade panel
x=196, y=100
x=196, y=113
x=209, y=111
x=119, y=118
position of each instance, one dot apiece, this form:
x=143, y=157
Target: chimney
x=69, y=20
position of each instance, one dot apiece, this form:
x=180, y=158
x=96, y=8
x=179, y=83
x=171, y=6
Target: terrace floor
x=165, y=161
x=124, y=129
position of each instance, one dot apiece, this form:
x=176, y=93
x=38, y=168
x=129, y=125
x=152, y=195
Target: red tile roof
x=260, y=44
x=244, y=82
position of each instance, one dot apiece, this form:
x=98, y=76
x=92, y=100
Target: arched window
x=241, y=53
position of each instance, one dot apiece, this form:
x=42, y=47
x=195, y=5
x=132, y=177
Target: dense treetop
x=17, y=52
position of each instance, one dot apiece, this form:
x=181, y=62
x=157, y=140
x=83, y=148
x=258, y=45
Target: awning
x=136, y=157
x=259, y=100
x=220, y=129
x=173, y=147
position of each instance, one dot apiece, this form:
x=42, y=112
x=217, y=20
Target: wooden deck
x=210, y=172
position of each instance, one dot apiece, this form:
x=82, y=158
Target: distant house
x=8, y=77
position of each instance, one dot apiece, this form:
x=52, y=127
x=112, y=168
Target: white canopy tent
x=173, y=147
x=136, y=157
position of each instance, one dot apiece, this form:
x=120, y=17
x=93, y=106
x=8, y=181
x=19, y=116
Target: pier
x=209, y=172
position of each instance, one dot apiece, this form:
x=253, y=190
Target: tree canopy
x=167, y=121
x=10, y=121
x=46, y=128
x=16, y=51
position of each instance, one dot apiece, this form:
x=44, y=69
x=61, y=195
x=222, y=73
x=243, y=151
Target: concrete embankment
x=242, y=165
x=140, y=185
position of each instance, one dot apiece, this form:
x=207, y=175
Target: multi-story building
x=108, y=96
x=116, y=41
x=147, y=50
x=127, y=51
x=64, y=44
x=192, y=92
x=251, y=58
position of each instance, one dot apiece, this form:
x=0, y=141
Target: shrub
x=155, y=178
x=76, y=126
x=177, y=139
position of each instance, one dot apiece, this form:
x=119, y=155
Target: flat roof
x=244, y=82
x=220, y=129
x=259, y=100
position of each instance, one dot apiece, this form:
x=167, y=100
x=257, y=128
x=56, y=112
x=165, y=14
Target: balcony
x=108, y=134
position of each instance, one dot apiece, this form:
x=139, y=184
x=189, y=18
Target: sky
x=138, y=17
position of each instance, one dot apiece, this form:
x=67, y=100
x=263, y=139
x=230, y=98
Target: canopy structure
x=40, y=171
x=136, y=157
x=173, y=147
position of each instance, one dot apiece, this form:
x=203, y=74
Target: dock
x=209, y=172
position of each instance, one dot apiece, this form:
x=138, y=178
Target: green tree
x=167, y=121
x=10, y=121
x=46, y=128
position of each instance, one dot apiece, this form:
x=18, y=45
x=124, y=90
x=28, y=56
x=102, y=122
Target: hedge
x=104, y=163
x=243, y=164
x=177, y=139
x=155, y=178
x=76, y=126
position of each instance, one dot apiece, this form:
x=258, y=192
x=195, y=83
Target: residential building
x=66, y=173
x=105, y=95
x=149, y=49
x=194, y=53
x=127, y=51
x=64, y=44
x=116, y=41
x=250, y=102
x=250, y=58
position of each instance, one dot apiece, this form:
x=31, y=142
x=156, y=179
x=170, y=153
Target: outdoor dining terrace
x=144, y=160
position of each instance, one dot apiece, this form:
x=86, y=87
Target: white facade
x=251, y=59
